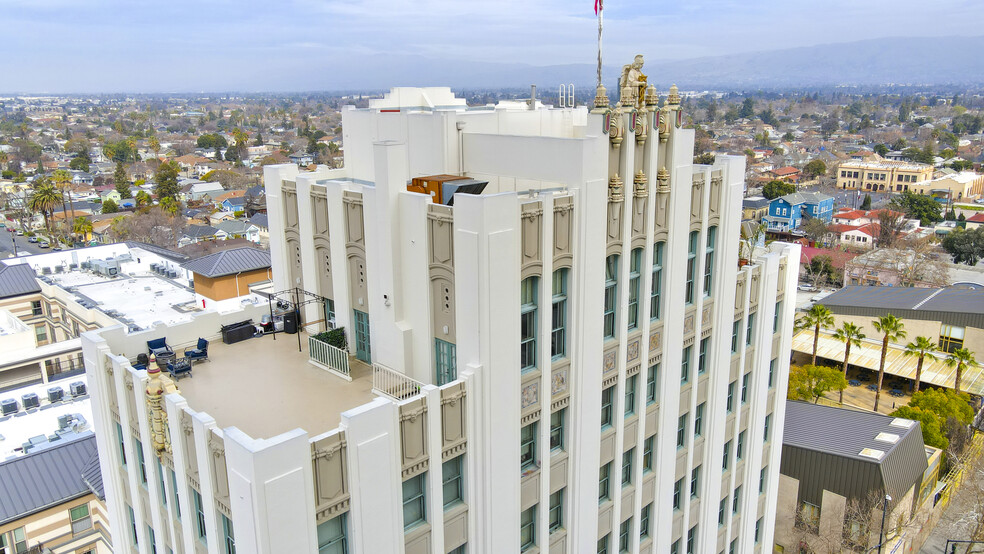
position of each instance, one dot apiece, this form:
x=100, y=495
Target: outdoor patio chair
x=199, y=353
x=158, y=347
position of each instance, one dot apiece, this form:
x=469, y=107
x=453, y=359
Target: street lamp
x=881, y=533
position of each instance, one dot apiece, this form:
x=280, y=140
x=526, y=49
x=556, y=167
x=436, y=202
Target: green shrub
x=334, y=337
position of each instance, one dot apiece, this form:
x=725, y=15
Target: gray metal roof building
x=17, y=280
x=229, y=262
x=952, y=306
x=41, y=480
x=850, y=453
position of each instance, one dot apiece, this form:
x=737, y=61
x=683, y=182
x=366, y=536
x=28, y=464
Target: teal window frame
x=695, y=482
x=558, y=420
x=635, y=263
x=688, y=353
x=682, y=431
x=452, y=483
x=527, y=446
x=201, y=530
x=529, y=290
x=604, y=483
x=709, y=260
x=699, y=419
x=415, y=501
x=702, y=355
x=656, y=287
x=228, y=535
x=630, y=394
x=627, y=457
x=647, y=454
x=333, y=535
x=558, y=314
x=691, y=267
x=607, y=407
x=652, y=386
x=611, y=295
x=445, y=361
x=527, y=528
x=644, y=516
x=624, y=534
x=555, y=515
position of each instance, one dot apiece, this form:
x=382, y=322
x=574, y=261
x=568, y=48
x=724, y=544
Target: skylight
x=872, y=453
x=887, y=437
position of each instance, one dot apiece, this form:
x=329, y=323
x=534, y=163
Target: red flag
x=598, y=6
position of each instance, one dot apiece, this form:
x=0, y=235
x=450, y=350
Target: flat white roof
x=16, y=430
x=140, y=297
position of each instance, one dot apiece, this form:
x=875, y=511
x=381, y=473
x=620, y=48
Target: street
x=7, y=248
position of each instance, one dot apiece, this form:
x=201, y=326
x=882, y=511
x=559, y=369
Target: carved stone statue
x=632, y=84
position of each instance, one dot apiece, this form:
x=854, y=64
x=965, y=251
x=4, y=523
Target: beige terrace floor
x=265, y=387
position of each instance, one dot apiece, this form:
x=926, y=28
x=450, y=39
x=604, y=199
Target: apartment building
x=563, y=357
x=882, y=175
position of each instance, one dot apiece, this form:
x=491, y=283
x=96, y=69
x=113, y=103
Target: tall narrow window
x=556, y=515
x=228, y=535
x=647, y=454
x=691, y=267
x=624, y=532
x=527, y=323
x=709, y=260
x=444, y=356
x=702, y=355
x=740, y=449
x=627, y=467
x=611, y=294
x=685, y=365
x=140, y=463
x=604, y=477
x=748, y=331
x=557, y=429
x=682, y=431
x=332, y=537
x=677, y=494
x=736, y=500
x=119, y=439
x=414, y=501
x=606, y=406
x=451, y=482
x=558, y=333
x=772, y=371
x=699, y=420
x=744, y=387
x=730, y=402
x=727, y=456
x=174, y=490
x=630, y=393
x=775, y=317
x=527, y=446
x=133, y=531
x=200, y=515
x=527, y=528
x=651, y=385
x=635, y=263
x=656, y=288
x=647, y=511
x=692, y=540
x=768, y=427
x=695, y=482
x=735, y=329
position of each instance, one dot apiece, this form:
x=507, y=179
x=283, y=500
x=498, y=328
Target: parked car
x=979, y=201
x=31, y=239
x=57, y=247
x=44, y=244
x=20, y=232
x=806, y=288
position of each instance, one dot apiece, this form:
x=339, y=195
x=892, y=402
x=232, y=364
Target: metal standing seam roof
x=229, y=262
x=38, y=481
x=868, y=355
x=907, y=298
x=822, y=449
x=17, y=280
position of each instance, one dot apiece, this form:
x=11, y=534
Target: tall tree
x=919, y=348
x=121, y=181
x=43, y=200
x=63, y=180
x=810, y=382
x=851, y=335
x=814, y=169
x=82, y=226
x=892, y=329
x=961, y=358
x=167, y=181
x=155, y=146
x=818, y=317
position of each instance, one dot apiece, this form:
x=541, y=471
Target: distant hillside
x=932, y=61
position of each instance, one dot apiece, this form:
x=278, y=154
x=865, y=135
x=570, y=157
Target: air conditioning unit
x=30, y=401
x=8, y=406
x=65, y=421
x=77, y=388
x=56, y=394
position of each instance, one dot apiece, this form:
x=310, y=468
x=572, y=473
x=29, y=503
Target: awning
x=868, y=355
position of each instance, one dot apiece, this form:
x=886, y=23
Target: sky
x=283, y=45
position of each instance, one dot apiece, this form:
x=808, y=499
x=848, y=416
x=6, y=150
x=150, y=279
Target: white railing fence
x=327, y=355
x=393, y=384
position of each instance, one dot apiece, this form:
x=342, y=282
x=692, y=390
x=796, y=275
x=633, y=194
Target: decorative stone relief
x=655, y=338
x=632, y=352
x=688, y=324
x=705, y=315
x=530, y=395
x=558, y=381
x=413, y=433
x=609, y=361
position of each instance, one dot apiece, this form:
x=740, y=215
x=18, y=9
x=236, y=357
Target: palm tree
x=143, y=199
x=82, y=226
x=818, y=316
x=893, y=330
x=44, y=199
x=961, y=359
x=920, y=347
x=63, y=181
x=849, y=334
x=155, y=145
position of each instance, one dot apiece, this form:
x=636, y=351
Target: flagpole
x=601, y=11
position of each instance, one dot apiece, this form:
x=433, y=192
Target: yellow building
x=882, y=175
x=956, y=187
x=52, y=501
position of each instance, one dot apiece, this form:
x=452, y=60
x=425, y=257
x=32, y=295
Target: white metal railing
x=393, y=384
x=327, y=355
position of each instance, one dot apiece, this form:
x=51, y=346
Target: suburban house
x=53, y=500
x=227, y=275
x=194, y=190
x=787, y=213
x=786, y=174
x=833, y=485
x=859, y=236
x=233, y=204
x=975, y=221
x=847, y=216
x=196, y=233
x=302, y=158
x=754, y=208
x=235, y=228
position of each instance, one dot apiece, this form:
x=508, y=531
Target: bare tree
x=890, y=225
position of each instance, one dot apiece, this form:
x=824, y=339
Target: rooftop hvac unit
x=55, y=394
x=172, y=274
x=65, y=421
x=77, y=388
x=8, y=406
x=30, y=401
x=153, y=267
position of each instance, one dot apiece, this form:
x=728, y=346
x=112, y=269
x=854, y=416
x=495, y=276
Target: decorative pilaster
x=641, y=184
x=160, y=436
x=615, y=189
x=663, y=181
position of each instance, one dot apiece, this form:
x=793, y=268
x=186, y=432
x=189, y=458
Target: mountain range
x=900, y=61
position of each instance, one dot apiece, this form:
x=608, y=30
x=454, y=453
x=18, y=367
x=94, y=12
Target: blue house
x=787, y=213
x=236, y=204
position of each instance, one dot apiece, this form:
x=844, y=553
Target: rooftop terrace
x=266, y=387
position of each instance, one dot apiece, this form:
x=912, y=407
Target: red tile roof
x=976, y=218
x=788, y=170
